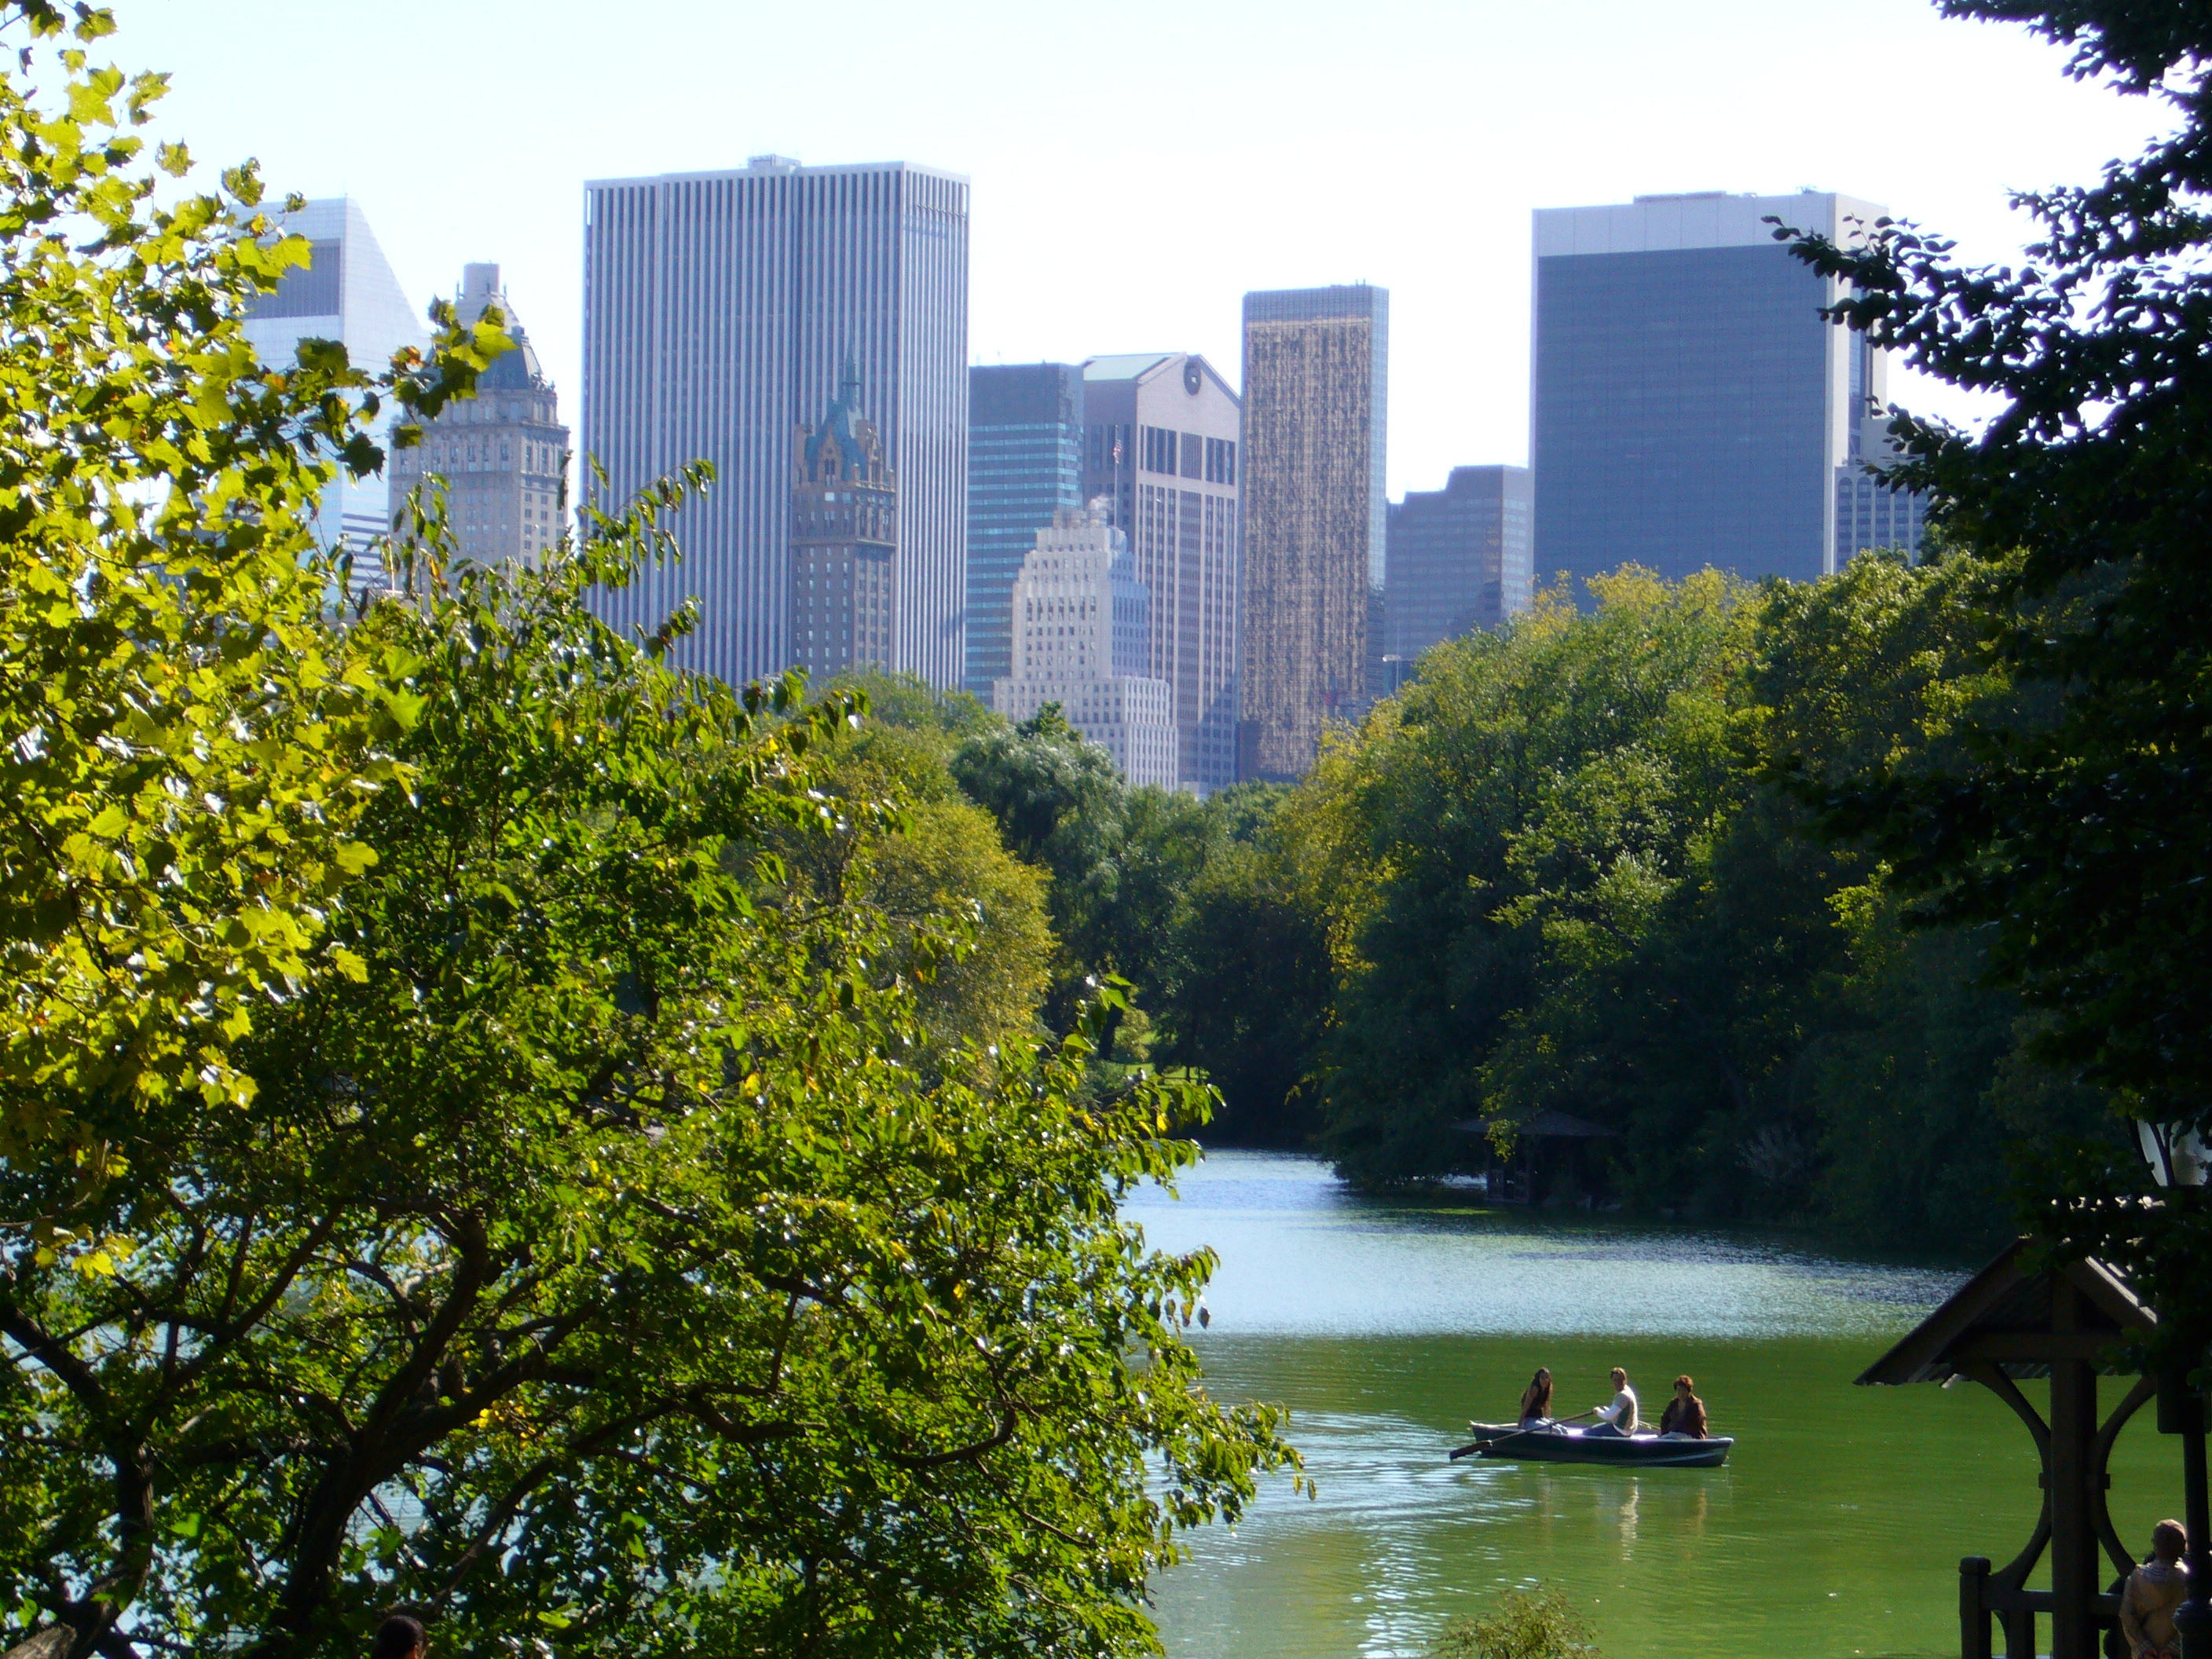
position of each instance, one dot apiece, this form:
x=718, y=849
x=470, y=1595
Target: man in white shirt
x=1620, y=1416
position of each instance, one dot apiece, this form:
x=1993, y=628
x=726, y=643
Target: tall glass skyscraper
x=1317, y=401
x=1459, y=559
x=346, y=292
x=720, y=310
x=1689, y=405
x=1024, y=465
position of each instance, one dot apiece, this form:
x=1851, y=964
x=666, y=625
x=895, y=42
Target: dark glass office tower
x=1024, y=465
x=1690, y=406
x=1459, y=560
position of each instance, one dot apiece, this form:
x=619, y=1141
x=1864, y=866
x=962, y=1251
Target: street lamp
x=2177, y=1160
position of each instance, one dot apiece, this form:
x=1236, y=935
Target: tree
x=1577, y=865
x=1496, y=847
x=2080, y=843
x=935, y=865
x=2077, y=843
x=184, y=741
x=1060, y=806
x=1247, y=989
x=594, y=1272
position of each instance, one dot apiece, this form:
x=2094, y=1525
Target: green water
x=1836, y=1529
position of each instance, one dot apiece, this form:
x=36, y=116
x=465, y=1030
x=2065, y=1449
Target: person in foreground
x=1685, y=1414
x=1618, y=1418
x=2154, y=1590
x=400, y=1637
x=1536, y=1399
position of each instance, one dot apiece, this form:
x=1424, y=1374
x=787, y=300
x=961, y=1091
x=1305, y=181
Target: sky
x=1137, y=167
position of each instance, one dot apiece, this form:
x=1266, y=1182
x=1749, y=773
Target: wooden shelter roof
x=2005, y=1315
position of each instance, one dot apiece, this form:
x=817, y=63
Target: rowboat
x=1555, y=1442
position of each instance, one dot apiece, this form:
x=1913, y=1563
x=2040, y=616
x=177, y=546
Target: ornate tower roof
x=846, y=447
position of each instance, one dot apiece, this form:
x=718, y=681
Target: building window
x=1221, y=460
x=1160, y=449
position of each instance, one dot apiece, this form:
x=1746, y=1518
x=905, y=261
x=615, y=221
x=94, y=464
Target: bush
x=1532, y=1624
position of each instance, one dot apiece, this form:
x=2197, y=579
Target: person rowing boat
x=1621, y=1417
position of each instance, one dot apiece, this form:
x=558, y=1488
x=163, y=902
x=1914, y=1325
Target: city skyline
x=903, y=88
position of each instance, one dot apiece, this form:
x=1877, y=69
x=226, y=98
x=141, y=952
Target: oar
x=1473, y=1446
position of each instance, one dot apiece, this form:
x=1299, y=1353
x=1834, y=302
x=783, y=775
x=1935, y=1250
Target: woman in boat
x=1536, y=1399
x=1618, y=1418
x=1686, y=1413
x=2154, y=1590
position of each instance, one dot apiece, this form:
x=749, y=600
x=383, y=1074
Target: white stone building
x=1081, y=638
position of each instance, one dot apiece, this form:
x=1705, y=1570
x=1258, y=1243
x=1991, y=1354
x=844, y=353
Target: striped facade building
x=1316, y=403
x=719, y=311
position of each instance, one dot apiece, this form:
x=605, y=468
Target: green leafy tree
x=935, y=869
x=1578, y=865
x=595, y=1272
x=1245, y=983
x=185, y=741
x=2076, y=844
x=1499, y=845
x=1061, y=807
x=2078, y=841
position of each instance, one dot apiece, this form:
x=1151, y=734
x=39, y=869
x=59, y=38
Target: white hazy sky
x=1137, y=167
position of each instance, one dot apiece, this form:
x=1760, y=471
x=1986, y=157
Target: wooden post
x=2074, y=1550
x=1973, y=1610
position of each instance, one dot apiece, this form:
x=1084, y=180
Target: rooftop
x=1129, y=366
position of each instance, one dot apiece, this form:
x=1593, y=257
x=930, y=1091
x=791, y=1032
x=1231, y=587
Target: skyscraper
x=1081, y=620
x=1025, y=464
x=719, y=311
x=1316, y=397
x=1690, y=406
x=1161, y=431
x=844, y=534
x=503, y=454
x=1459, y=558
x=347, y=293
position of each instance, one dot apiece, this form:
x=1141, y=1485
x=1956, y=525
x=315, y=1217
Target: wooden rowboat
x=1557, y=1444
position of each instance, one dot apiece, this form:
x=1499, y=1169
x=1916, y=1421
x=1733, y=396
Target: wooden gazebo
x=2008, y=1323
x=1564, y=1138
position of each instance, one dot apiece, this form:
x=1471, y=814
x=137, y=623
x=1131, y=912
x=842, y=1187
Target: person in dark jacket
x=1686, y=1413
x=400, y=1637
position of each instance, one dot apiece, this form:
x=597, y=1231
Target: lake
x=1384, y=1325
